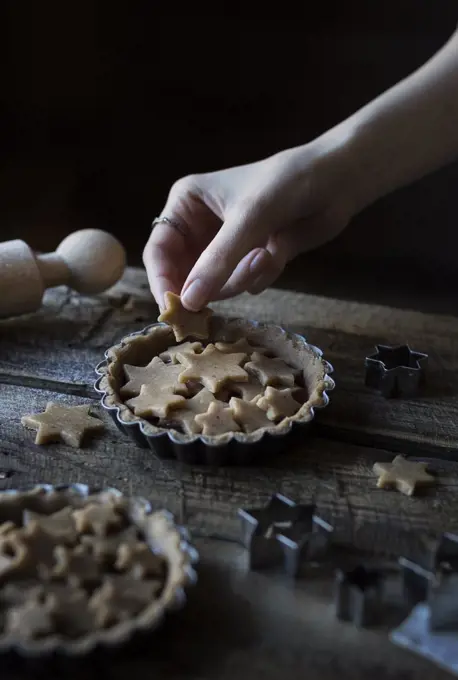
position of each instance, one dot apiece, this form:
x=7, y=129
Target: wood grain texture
x=261, y=627
x=347, y=333
x=337, y=477
x=60, y=346
x=52, y=355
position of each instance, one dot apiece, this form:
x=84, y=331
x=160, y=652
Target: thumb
x=237, y=237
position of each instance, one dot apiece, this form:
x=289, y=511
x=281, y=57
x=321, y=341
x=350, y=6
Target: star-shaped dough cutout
x=139, y=560
x=153, y=402
x=39, y=545
x=402, y=474
x=240, y=345
x=217, y=420
x=278, y=403
x=98, y=518
x=185, y=415
x=170, y=354
x=60, y=525
x=104, y=550
x=121, y=597
x=248, y=415
x=183, y=322
x=213, y=368
x=69, y=424
x=156, y=374
x=271, y=371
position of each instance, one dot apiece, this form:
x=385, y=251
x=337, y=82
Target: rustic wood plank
x=295, y=309
x=337, y=477
x=61, y=342
x=58, y=348
x=347, y=332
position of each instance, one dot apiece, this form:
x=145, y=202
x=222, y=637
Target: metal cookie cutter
x=443, y=594
x=304, y=542
x=358, y=595
x=283, y=533
x=415, y=634
x=431, y=629
x=416, y=581
x=443, y=602
x=396, y=371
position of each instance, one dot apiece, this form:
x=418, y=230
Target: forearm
x=407, y=132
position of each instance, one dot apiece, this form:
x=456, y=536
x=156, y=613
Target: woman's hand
x=238, y=228
x=234, y=230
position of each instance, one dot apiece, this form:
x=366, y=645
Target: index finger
x=165, y=259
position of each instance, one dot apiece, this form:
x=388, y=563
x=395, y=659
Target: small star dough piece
x=105, y=550
x=32, y=620
x=240, y=345
x=278, y=403
x=41, y=545
x=170, y=354
x=60, y=525
x=154, y=402
x=217, y=420
x=139, y=560
x=68, y=424
x=270, y=371
x=97, y=518
x=249, y=391
x=248, y=415
x=213, y=368
x=402, y=474
x=120, y=598
x=185, y=415
x=33, y=547
x=156, y=374
x=76, y=565
x=183, y=322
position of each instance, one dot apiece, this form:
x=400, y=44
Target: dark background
x=103, y=106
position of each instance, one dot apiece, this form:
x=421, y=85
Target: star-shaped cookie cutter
x=283, y=533
x=397, y=371
x=358, y=595
x=420, y=576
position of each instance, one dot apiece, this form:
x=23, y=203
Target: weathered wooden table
x=236, y=622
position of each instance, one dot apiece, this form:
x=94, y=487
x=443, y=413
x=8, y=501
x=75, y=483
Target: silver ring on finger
x=172, y=222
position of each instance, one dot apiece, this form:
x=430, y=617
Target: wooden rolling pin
x=88, y=261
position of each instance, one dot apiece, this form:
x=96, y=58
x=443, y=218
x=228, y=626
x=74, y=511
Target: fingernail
x=195, y=295
x=257, y=261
